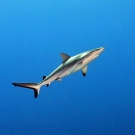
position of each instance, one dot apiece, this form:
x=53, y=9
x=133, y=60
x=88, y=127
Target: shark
x=68, y=66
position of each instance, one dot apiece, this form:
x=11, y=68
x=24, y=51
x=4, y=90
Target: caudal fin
x=33, y=86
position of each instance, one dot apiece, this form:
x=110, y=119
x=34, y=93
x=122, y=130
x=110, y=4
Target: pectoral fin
x=84, y=70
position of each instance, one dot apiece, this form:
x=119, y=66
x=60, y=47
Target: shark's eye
x=92, y=52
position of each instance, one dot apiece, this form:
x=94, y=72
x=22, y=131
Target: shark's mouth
x=95, y=56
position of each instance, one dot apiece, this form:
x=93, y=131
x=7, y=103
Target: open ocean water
x=33, y=33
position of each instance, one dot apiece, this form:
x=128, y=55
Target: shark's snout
x=101, y=49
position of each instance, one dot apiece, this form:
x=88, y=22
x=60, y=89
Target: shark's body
x=68, y=66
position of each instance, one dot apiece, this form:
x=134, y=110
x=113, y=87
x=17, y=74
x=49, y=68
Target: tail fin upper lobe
x=33, y=86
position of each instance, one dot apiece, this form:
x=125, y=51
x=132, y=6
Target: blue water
x=32, y=35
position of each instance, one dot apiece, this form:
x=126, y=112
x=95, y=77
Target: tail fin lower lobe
x=33, y=86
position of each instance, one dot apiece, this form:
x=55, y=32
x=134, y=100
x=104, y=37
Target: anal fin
x=47, y=85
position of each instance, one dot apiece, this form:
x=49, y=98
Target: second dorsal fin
x=65, y=57
x=44, y=77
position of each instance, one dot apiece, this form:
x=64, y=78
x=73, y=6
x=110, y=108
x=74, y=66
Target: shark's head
x=93, y=52
x=96, y=51
x=91, y=55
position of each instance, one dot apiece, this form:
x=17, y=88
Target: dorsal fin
x=44, y=77
x=65, y=57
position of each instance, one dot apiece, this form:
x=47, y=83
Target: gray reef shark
x=68, y=66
